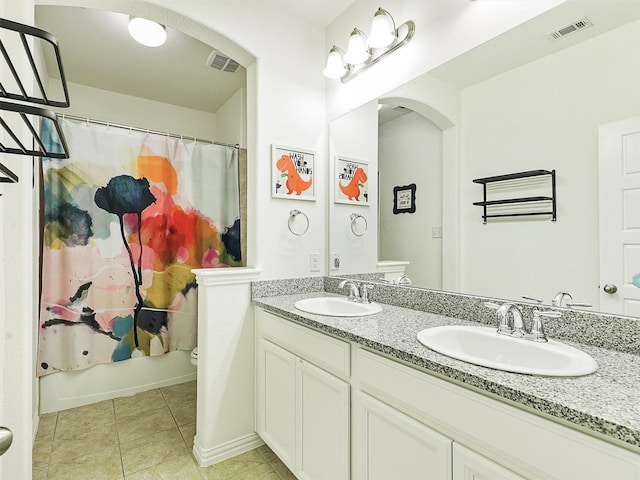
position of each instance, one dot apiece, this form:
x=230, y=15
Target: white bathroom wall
x=231, y=120
x=115, y=107
x=410, y=151
x=544, y=115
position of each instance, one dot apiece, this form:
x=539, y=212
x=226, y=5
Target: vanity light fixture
x=335, y=64
x=147, y=32
x=383, y=29
x=357, y=51
x=363, y=51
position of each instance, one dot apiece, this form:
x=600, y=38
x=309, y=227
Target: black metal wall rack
x=20, y=110
x=535, y=199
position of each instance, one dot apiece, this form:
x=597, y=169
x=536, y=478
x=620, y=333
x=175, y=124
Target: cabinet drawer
x=327, y=352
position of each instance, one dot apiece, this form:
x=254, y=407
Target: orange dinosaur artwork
x=295, y=183
x=352, y=189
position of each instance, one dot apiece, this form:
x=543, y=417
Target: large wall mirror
x=520, y=102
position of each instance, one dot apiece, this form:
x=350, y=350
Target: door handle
x=6, y=437
x=610, y=288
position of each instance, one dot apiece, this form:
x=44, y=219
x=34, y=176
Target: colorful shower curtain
x=126, y=218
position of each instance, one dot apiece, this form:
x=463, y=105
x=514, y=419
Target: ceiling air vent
x=569, y=29
x=220, y=61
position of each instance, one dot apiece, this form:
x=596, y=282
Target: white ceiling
x=97, y=51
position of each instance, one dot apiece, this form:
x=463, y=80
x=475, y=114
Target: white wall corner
x=225, y=417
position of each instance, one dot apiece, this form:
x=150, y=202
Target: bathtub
x=63, y=390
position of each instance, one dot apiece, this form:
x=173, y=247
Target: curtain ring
x=354, y=226
x=292, y=217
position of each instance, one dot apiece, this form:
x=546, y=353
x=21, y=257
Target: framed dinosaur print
x=351, y=181
x=292, y=173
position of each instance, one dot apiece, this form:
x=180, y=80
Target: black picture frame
x=404, y=199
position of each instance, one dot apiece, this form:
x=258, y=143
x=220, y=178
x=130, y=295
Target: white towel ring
x=292, y=217
x=358, y=232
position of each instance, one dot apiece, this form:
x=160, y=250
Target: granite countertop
x=606, y=402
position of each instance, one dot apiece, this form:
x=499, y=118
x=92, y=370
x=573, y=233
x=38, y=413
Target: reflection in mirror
x=410, y=152
x=543, y=110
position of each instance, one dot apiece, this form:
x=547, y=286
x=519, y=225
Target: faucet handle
x=578, y=304
x=537, y=328
x=533, y=299
x=365, y=288
x=495, y=306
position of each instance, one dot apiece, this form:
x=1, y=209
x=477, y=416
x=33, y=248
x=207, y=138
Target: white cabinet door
x=468, y=465
x=276, y=400
x=391, y=445
x=323, y=424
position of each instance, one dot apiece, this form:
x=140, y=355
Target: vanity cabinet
x=303, y=404
x=405, y=423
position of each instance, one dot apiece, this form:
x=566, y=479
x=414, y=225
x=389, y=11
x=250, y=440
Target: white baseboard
x=210, y=456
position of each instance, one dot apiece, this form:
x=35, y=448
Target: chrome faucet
x=559, y=298
x=403, y=280
x=510, y=321
x=354, y=289
x=358, y=292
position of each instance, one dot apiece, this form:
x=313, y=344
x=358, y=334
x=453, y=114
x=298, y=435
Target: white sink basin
x=484, y=346
x=336, y=307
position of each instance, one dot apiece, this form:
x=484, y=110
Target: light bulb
x=146, y=32
x=335, y=65
x=358, y=52
x=382, y=30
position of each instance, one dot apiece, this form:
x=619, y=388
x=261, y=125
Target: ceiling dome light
x=383, y=30
x=146, y=32
x=335, y=64
x=357, y=52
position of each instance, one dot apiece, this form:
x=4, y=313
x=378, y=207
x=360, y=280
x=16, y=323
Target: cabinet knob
x=610, y=288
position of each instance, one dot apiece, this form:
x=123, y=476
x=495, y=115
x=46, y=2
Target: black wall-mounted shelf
x=13, y=113
x=26, y=109
x=27, y=33
x=535, y=199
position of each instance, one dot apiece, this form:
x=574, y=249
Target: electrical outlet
x=334, y=261
x=436, y=232
x=314, y=262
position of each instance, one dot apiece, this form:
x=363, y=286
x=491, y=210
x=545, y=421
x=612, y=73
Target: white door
x=619, y=159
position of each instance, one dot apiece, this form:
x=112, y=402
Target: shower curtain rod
x=138, y=129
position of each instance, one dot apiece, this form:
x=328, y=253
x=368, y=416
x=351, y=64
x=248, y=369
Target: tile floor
x=148, y=436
